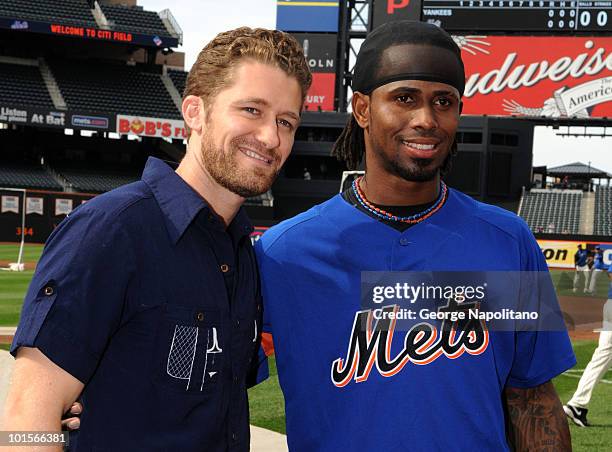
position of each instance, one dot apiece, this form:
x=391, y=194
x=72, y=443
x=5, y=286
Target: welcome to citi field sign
x=537, y=76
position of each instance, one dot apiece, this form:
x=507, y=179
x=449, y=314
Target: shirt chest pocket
x=190, y=349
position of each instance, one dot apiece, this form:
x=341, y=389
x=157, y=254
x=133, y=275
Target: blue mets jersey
x=345, y=391
x=581, y=257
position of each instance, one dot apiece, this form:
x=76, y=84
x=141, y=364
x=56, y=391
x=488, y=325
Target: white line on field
x=567, y=374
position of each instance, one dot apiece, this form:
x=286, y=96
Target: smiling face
x=411, y=128
x=410, y=119
x=249, y=129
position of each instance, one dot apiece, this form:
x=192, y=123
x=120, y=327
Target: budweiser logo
x=513, y=74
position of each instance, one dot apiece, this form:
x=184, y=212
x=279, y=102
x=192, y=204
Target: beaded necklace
x=412, y=219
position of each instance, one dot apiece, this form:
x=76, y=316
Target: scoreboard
x=519, y=15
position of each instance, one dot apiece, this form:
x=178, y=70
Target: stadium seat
x=134, y=19
x=113, y=88
x=70, y=12
x=561, y=208
x=22, y=85
x=26, y=176
x=95, y=181
x=179, y=78
x=603, y=211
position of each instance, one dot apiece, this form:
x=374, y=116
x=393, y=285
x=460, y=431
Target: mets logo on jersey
x=370, y=345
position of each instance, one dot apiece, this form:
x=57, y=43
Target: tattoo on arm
x=535, y=420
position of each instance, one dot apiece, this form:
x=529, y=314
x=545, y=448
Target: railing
x=169, y=20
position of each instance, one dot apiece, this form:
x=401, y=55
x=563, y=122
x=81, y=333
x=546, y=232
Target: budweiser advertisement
x=151, y=127
x=537, y=76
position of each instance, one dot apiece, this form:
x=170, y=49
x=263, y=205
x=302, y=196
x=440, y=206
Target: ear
x=361, y=109
x=192, y=109
x=460, y=107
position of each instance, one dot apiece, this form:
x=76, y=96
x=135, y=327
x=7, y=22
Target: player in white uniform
x=576, y=408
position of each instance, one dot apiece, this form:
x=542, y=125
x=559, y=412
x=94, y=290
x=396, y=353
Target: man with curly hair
x=147, y=297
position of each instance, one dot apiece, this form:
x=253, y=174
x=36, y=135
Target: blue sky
x=201, y=20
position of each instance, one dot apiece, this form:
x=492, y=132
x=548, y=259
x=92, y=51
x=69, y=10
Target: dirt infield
x=582, y=315
x=583, y=335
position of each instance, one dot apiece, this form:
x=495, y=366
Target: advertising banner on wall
x=63, y=206
x=34, y=205
x=560, y=253
x=321, y=93
x=537, y=76
x=93, y=121
x=24, y=115
x=59, y=28
x=10, y=204
x=307, y=15
x=320, y=52
x=392, y=10
x=151, y=127
x=32, y=116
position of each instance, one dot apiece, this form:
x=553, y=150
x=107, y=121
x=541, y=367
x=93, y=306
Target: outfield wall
x=44, y=211
x=559, y=250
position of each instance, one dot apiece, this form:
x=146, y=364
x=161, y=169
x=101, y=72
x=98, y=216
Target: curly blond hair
x=212, y=71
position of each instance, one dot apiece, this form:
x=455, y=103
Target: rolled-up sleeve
x=77, y=295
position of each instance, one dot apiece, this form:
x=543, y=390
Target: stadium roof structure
x=578, y=169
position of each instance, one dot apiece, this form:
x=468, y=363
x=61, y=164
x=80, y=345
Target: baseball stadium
x=91, y=89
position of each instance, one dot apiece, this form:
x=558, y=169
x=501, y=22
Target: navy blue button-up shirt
x=145, y=297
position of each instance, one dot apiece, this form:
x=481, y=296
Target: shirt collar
x=180, y=203
x=241, y=225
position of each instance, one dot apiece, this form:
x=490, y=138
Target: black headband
x=407, y=50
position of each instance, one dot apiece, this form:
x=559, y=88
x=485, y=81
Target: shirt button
x=224, y=268
x=237, y=324
x=235, y=379
x=404, y=241
x=233, y=437
x=199, y=316
x=48, y=291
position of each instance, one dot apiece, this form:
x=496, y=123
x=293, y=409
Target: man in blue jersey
x=344, y=383
x=576, y=409
x=598, y=269
x=582, y=268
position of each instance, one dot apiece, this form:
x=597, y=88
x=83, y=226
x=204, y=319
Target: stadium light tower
x=355, y=24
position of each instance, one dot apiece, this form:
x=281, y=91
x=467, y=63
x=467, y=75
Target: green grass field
x=266, y=400
x=10, y=252
x=598, y=437
x=13, y=286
